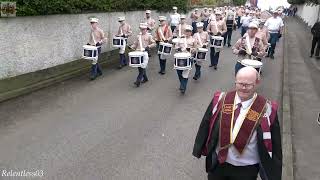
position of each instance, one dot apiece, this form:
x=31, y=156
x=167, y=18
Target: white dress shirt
x=175, y=19
x=245, y=20
x=250, y=155
x=274, y=24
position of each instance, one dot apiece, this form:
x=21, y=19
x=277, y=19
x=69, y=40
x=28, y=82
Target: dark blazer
x=315, y=30
x=272, y=167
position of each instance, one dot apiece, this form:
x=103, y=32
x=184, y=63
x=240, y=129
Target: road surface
x=109, y=129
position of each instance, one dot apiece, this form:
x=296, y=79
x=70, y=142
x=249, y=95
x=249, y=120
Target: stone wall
x=30, y=44
x=309, y=14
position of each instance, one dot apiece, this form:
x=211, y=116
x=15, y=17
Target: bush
x=310, y=2
x=45, y=7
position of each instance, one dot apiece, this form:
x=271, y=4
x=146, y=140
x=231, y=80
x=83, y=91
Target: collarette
x=245, y=104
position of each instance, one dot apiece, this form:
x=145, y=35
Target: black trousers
x=227, y=171
x=315, y=42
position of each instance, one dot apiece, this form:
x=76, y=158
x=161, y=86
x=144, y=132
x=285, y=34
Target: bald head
x=247, y=79
x=249, y=73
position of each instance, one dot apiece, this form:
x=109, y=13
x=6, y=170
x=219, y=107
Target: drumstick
x=252, y=57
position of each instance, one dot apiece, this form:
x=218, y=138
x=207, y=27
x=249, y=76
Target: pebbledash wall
x=30, y=44
x=309, y=14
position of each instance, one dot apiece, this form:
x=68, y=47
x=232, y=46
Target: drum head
x=175, y=40
x=202, y=50
x=136, y=53
x=252, y=63
x=165, y=44
x=182, y=55
x=88, y=47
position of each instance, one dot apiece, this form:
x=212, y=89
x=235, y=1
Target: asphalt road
x=109, y=129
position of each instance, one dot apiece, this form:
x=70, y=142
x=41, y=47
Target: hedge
x=46, y=7
x=310, y=2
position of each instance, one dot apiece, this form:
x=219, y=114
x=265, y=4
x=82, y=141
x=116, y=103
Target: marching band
x=209, y=30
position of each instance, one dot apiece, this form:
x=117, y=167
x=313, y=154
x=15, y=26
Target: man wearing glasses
x=240, y=133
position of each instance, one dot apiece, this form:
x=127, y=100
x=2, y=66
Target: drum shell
x=257, y=66
x=201, y=54
x=216, y=41
x=136, y=56
x=118, y=42
x=165, y=48
x=91, y=52
x=184, y=58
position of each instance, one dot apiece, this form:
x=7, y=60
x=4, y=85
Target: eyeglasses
x=247, y=86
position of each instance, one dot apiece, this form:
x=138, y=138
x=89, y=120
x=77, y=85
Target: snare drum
x=90, y=52
x=216, y=41
x=201, y=54
x=253, y=63
x=135, y=59
x=182, y=61
x=164, y=48
x=118, y=42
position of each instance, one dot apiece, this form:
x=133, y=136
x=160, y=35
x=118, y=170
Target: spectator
x=315, y=30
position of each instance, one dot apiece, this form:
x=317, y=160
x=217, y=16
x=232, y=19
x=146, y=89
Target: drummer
x=262, y=34
x=216, y=28
x=202, y=39
x=163, y=34
x=144, y=42
x=97, y=38
x=151, y=22
x=195, y=17
x=231, y=23
x=179, y=31
x=123, y=31
x=205, y=18
x=248, y=47
x=211, y=16
x=188, y=44
x=239, y=15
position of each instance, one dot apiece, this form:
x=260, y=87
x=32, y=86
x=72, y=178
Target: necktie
x=222, y=155
x=236, y=113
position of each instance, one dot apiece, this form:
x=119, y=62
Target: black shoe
x=137, y=83
x=267, y=55
x=311, y=55
x=215, y=67
x=125, y=65
x=144, y=81
x=317, y=57
x=183, y=91
x=271, y=56
x=120, y=67
x=162, y=72
x=99, y=74
x=93, y=77
x=229, y=45
x=195, y=78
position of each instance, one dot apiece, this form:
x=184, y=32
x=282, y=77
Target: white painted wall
x=29, y=44
x=308, y=13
